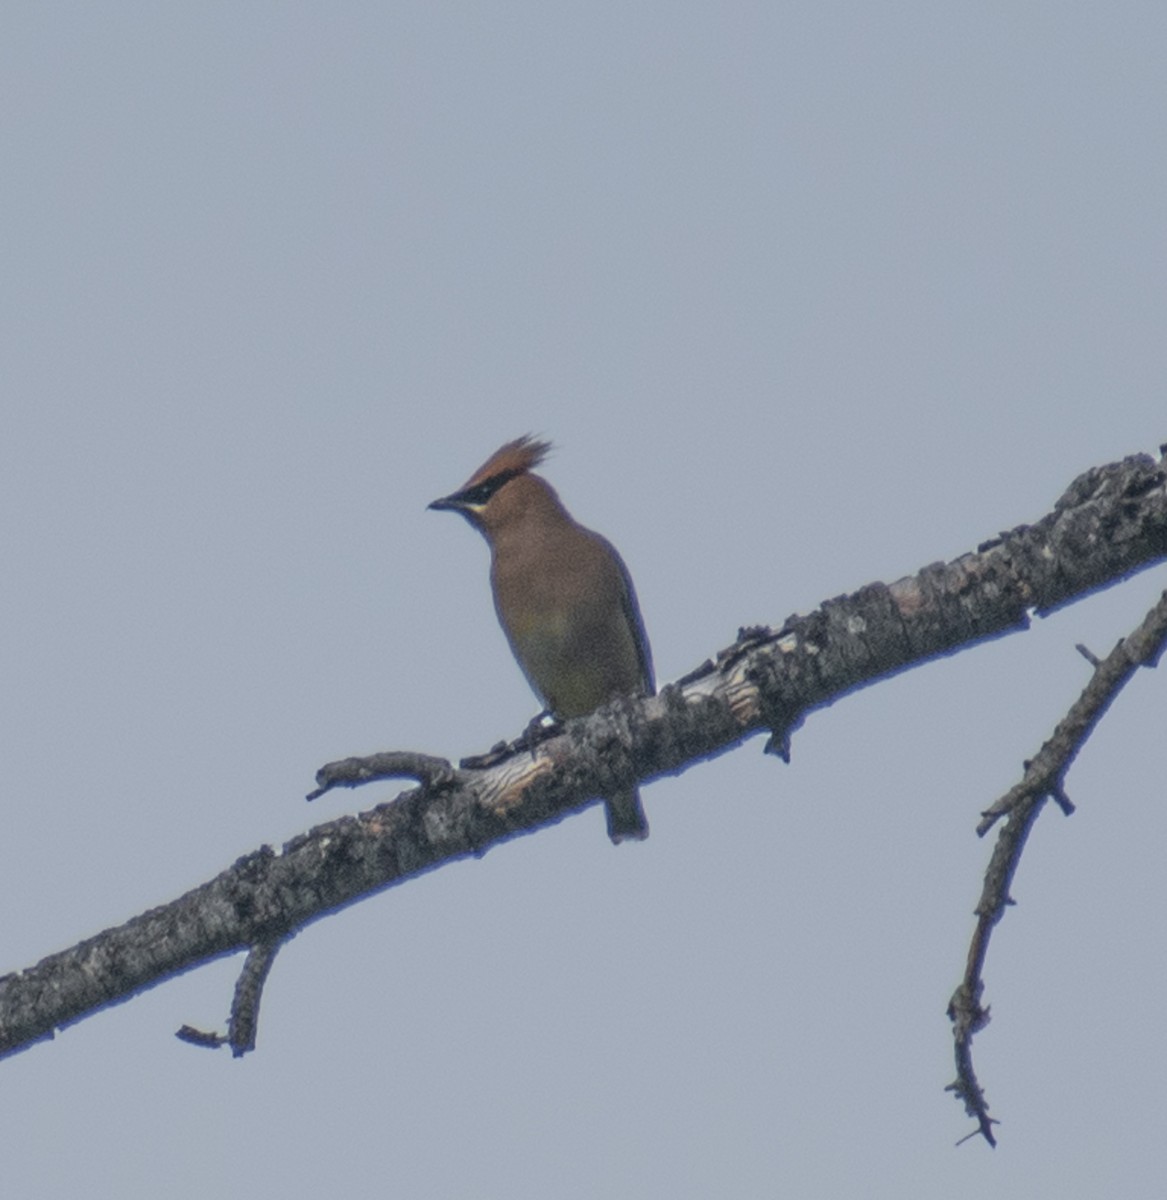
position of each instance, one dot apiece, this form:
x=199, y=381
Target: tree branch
x=1044, y=778
x=1111, y=522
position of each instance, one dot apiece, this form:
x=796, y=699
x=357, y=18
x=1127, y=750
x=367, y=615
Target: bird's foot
x=541, y=727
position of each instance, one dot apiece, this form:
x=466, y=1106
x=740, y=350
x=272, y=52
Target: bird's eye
x=480, y=493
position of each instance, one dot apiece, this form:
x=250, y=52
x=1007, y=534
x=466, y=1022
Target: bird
x=563, y=597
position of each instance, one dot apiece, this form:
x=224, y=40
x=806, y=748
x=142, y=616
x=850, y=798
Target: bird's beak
x=445, y=504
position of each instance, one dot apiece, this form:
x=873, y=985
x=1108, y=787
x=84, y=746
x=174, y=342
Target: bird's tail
x=626, y=819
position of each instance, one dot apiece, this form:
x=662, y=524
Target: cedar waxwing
x=563, y=597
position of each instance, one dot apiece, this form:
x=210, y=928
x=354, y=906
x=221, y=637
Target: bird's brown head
x=502, y=488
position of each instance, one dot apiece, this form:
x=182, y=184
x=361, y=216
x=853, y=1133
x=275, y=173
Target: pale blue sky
x=808, y=295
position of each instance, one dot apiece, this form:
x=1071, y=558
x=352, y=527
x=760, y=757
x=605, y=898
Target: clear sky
x=808, y=295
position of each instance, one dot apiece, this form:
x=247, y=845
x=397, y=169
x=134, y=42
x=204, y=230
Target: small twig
x=1044, y=778
x=198, y=1037
x=1045, y=774
x=244, y=1019
x=431, y=772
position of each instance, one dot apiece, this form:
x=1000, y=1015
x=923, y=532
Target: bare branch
x=1111, y=522
x=1044, y=779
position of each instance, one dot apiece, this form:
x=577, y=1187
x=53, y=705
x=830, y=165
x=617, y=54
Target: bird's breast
x=563, y=609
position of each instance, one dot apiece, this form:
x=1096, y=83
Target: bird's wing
x=636, y=624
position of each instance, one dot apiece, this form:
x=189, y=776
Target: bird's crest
x=515, y=458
